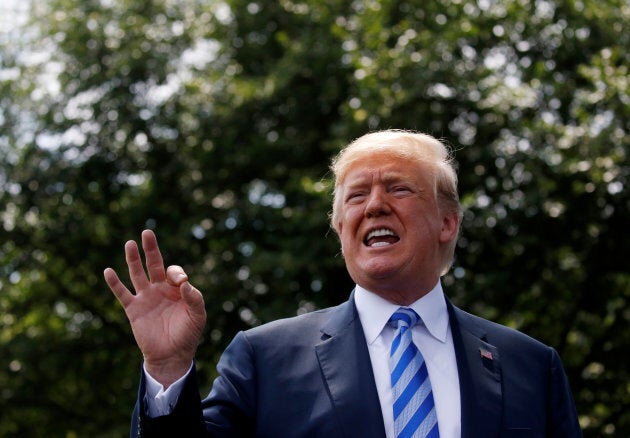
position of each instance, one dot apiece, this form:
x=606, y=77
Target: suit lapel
x=479, y=368
x=347, y=370
x=345, y=364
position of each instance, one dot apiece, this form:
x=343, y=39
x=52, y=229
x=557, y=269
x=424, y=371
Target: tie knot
x=404, y=317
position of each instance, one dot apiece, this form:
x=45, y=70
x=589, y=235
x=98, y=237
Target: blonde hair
x=407, y=145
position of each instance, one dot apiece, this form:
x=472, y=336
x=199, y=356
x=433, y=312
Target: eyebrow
x=387, y=177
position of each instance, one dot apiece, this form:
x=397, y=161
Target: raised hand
x=167, y=314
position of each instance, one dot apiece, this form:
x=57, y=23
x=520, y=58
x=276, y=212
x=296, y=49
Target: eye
x=400, y=189
x=355, y=196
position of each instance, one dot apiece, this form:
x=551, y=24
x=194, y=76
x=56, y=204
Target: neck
x=399, y=295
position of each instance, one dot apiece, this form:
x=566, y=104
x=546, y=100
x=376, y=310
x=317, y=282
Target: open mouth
x=380, y=237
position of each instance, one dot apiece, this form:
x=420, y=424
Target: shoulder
x=306, y=321
x=309, y=328
x=497, y=334
x=517, y=351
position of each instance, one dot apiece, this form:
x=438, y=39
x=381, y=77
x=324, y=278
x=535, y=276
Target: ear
x=450, y=226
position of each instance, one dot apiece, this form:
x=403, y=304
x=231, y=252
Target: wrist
x=167, y=372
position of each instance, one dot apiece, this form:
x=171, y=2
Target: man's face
x=392, y=232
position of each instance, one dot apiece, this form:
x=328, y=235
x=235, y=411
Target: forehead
x=384, y=167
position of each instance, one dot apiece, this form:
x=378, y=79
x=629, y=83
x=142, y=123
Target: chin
x=378, y=273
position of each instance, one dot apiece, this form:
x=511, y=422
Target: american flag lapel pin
x=486, y=354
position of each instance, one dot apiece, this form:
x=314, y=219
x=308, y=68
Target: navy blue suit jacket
x=311, y=376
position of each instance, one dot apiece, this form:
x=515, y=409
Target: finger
x=194, y=301
x=175, y=275
x=155, y=263
x=134, y=263
x=120, y=291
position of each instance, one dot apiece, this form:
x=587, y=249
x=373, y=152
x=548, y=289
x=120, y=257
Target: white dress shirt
x=435, y=342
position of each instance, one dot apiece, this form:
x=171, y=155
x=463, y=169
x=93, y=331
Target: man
x=338, y=372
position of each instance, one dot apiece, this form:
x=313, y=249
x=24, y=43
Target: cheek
x=347, y=238
x=348, y=224
x=344, y=237
x=351, y=214
x=346, y=245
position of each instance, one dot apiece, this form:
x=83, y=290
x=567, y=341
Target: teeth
x=380, y=232
x=379, y=244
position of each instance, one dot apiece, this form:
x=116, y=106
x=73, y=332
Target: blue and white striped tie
x=414, y=409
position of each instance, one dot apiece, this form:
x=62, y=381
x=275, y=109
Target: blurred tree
x=213, y=124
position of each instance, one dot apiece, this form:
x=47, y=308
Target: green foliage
x=213, y=123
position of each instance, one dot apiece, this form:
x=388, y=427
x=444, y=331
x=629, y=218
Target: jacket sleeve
x=228, y=410
x=563, y=419
x=185, y=420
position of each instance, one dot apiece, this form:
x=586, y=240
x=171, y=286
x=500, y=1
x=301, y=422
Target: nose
x=377, y=204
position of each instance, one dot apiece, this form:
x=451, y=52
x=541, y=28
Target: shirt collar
x=375, y=311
